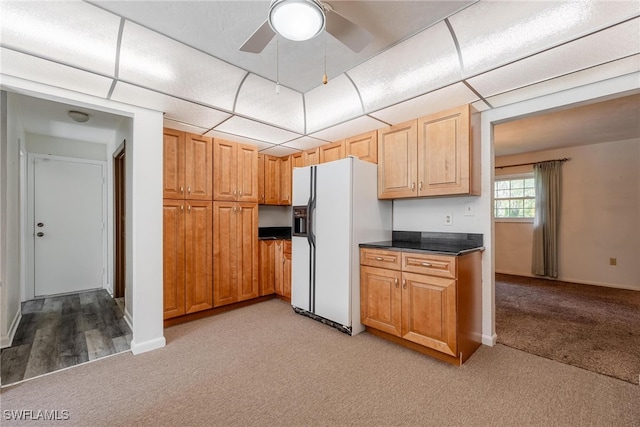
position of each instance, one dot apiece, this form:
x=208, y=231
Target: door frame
x=119, y=211
x=29, y=291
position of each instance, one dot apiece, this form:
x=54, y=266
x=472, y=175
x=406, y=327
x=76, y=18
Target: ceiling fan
x=302, y=20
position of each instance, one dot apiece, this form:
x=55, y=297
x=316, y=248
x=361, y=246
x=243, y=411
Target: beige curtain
x=545, y=226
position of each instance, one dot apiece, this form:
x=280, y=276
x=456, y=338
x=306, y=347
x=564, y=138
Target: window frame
x=524, y=175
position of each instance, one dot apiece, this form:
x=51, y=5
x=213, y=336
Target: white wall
x=599, y=216
x=10, y=270
x=44, y=144
x=274, y=216
x=145, y=258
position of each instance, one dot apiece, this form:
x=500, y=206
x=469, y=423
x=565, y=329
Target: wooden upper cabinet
x=235, y=171
x=261, y=183
x=397, y=162
x=271, y=180
x=198, y=255
x=285, y=181
x=331, y=152
x=445, y=153
x=297, y=160
x=364, y=147
x=311, y=157
x=247, y=174
x=429, y=312
x=173, y=164
x=198, y=167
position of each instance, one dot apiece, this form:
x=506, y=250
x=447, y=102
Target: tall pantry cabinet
x=187, y=223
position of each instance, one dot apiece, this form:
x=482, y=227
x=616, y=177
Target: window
x=514, y=197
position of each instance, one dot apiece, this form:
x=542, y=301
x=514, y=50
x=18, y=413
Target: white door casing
x=68, y=200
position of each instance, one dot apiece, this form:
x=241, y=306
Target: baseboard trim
x=7, y=340
x=143, y=347
x=128, y=318
x=489, y=340
x=570, y=280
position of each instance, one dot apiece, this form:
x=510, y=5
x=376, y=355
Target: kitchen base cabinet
x=430, y=303
x=275, y=268
x=267, y=266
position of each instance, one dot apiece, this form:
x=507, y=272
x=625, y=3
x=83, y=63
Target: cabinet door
x=173, y=258
x=173, y=164
x=311, y=157
x=297, y=160
x=271, y=180
x=285, y=180
x=380, y=299
x=444, y=153
x=397, y=168
x=247, y=249
x=331, y=152
x=286, y=269
x=279, y=272
x=261, y=179
x=225, y=156
x=267, y=265
x=198, y=255
x=199, y=167
x=364, y=147
x=247, y=174
x=429, y=312
x=225, y=253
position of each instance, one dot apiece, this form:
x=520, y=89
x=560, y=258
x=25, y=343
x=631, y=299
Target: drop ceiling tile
x=51, y=73
x=174, y=108
x=172, y=124
x=480, y=106
x=616, y=42
x=242, y=140
x=73, y=33
x=494, y=33
x=420, y=64
x=348, y=129
x=569, y=81
x=279, y=151
x=332, y=103
x=305, y=143
x=152, y=60
x=255, y=130
x=449, y=97
x=258, y=99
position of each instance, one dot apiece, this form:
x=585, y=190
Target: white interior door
x=68, y=226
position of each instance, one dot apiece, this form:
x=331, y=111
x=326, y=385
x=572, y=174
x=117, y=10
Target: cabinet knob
x=426, y=264
x=413, y=186
x=234, y=192
x=181, y=208
x=380, y=259
x=189, y=190
x=181, y=190
x=404, y=284
x=396, y=281
x=189, y=209
x=240, y=193
x=420, y=186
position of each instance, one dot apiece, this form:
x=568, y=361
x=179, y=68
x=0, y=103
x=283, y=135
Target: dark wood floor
x=62, y=331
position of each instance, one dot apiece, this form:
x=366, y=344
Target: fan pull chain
x=277, y=65
x=325, y=79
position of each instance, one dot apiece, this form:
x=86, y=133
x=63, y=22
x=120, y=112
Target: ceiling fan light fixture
x=297, y=20
x=78, y=116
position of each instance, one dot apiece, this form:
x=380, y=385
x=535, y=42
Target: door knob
x=40, y=234
x=40, y=224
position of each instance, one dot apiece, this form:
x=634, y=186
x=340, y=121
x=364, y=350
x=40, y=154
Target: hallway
x=62, y=331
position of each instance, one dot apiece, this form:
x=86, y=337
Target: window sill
x=523, y=220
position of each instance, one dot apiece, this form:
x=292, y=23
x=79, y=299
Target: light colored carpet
x=267, y=366
x=592, y=327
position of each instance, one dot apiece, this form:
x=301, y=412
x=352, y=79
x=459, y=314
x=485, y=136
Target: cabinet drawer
x=381, y=258
x=433, y=265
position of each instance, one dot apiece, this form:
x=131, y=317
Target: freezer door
x=301, y=186
x=332, y=224
x=300, y=272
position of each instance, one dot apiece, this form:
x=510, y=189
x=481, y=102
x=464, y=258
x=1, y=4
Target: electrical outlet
x=613, y=261
x=469, y=209
x=448, y=219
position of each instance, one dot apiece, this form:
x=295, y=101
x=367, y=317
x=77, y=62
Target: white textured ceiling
x=182, y=58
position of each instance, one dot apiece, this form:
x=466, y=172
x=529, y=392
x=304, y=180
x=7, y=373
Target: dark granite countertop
x=268, y=233
x=429, y=242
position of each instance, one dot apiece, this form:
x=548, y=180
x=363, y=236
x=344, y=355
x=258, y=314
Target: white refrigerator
x=335, y=208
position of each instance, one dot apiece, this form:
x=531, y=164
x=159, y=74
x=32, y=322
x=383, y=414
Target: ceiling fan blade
x=259, y=39
x=352, y=35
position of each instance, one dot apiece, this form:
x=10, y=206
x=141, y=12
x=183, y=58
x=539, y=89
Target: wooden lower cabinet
x=187, y=256
x=235, y=243
x=275, y=268
x=267, y=265
x=430, y=300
